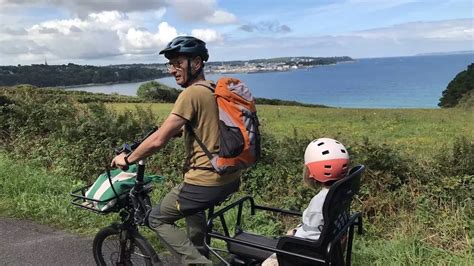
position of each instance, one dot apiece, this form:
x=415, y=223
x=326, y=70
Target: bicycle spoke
x=133, y=255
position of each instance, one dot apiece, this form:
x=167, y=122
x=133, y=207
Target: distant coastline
x=72, y=75
x=273, y=64
x=237, y=71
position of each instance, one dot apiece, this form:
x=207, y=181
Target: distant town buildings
x=269, y=65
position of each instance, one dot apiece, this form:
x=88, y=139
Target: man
x=195, y=111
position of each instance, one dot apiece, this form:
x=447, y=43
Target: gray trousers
x=189, y=202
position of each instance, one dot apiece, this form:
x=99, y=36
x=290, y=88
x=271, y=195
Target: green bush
x=467, y=101
x=63, y=135
x=156, y=91
x=79, y=96
x=461, y=85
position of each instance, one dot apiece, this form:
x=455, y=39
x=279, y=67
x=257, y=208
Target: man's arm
x=171, y=127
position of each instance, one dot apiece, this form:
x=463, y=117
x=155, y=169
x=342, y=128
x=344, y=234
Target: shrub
x=66, y=136
x=458, y=87
x=467, y=101
x=156, y=91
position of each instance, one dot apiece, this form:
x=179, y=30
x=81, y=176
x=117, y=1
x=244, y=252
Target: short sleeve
x=185, y=105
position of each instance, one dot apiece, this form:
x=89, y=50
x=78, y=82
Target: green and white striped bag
x=122, y=181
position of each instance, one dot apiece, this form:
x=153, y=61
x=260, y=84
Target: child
x=326, y=161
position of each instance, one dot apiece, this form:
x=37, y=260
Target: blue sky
x=133, y=31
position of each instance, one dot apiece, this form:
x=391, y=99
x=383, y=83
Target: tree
x=158, y=92
x=72, y=74
x=459, y=87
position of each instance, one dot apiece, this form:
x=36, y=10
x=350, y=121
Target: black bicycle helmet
x=186, y=45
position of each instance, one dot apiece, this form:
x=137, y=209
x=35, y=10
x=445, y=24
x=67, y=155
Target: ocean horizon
x=392, y=82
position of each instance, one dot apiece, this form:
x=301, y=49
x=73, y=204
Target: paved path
x=27, y=243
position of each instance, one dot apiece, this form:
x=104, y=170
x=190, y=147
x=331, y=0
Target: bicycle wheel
x=134, y=250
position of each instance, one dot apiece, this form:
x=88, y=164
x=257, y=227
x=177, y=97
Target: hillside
x=462, y=85
x=72, y=74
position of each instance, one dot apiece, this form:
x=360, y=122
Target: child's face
x=309, y=179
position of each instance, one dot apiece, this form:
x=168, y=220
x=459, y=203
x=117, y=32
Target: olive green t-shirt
x=198, y=106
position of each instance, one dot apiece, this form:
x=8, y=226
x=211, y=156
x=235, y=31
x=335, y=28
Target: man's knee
x=156, y=218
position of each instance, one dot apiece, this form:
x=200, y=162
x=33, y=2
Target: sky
x=104, y=32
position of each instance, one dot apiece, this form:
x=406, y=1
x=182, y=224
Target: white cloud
x=166, y=31
x=99, y=35
x=207, y=35
x=142, y=41
x=221, y=17
x=202, y=11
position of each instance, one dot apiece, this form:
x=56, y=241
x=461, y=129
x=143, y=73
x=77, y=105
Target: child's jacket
x=313, y=217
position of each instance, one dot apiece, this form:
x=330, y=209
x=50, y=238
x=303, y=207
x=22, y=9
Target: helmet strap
x=190, y=76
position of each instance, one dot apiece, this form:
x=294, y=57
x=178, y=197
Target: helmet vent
x=344, y=165
x=343, y=151
x=321, y=143
x=338, y=142
x=327, y=166
x=327, y=174
x=325, y=152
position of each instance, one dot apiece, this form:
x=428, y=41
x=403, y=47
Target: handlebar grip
x=138, y=142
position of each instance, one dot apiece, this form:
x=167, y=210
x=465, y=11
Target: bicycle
x=121, y=243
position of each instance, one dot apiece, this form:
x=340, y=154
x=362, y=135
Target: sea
x=395, y=82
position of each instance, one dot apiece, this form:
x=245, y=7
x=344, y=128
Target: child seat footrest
x=251, y=252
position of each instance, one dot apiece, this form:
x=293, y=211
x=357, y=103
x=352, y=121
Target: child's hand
x=291, y=232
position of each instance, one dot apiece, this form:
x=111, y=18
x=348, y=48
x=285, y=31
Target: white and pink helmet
x=327, y=159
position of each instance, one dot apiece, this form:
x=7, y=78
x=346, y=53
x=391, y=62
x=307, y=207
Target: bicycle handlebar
x=138, y=142
x=127, y=148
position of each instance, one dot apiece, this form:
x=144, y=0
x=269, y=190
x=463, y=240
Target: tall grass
x=30, y=191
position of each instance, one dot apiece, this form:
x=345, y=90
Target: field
x=415, y=131
x=416, y=197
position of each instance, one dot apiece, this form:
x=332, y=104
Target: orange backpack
x=239, y=136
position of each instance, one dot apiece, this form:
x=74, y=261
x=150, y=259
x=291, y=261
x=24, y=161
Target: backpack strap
x=187, y=164
x=198, y=140
x=212, y=88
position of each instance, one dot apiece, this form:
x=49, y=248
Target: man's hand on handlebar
x=119, y=161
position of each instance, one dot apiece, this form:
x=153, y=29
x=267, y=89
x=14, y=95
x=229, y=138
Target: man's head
x=186, y=57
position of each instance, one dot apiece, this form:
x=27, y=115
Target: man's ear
x=197, y=63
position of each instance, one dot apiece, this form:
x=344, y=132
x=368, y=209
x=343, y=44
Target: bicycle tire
x=106, y=248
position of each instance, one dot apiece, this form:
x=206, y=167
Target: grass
x=404, y=250
x=29, y=191
x=417, y=132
